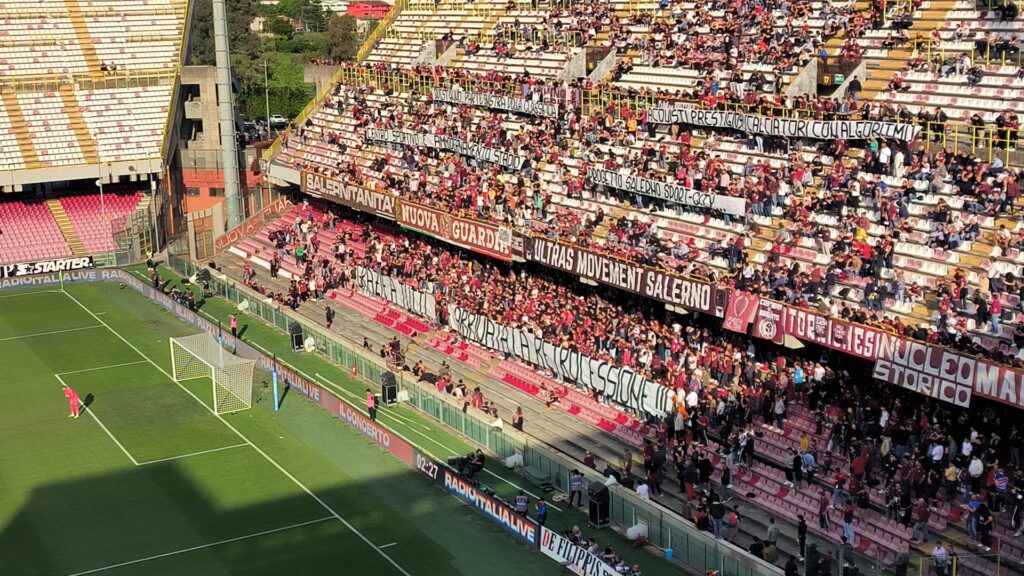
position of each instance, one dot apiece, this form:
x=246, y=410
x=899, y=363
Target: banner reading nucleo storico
x=482, y=237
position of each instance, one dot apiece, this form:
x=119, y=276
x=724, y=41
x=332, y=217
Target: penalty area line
x=193, y=454
x=202, y=546
x=105, y=429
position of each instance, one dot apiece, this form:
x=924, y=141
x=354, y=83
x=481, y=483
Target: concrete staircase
x=85, y=138
x=66, y=227
x=881, y=71
x=84, y=38
x=20, y=128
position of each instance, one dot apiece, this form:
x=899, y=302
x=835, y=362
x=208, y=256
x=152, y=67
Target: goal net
x=200, y=356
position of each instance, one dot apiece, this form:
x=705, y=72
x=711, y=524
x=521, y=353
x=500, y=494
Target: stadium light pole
x=266, y=94
x=226, y=115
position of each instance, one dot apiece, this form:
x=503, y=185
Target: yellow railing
x=987, y=141
x=516, y=36
x=930, y=47
x=383, y=25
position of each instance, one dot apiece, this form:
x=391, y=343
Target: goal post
x=201, y=356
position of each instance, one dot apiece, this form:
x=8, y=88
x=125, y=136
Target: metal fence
x=697, y=550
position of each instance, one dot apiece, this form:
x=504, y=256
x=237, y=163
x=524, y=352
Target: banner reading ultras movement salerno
x=667, y=191
x=496, y=102
x=355, y=197
x=482, y=237
x=791, y=127
x=576, y=558
x=616, y=382
x=674, y=289
x=46, y=266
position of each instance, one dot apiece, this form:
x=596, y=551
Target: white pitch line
x=29, y=293
x=189, y=455
x=384, y=413
x=383, y=546
x=109, y=433
x=104, y=367
x=266, y=456
x=202, y=546
x=49, y=333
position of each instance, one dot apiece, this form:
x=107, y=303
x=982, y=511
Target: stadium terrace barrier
x=697, y=550
x=251, y=225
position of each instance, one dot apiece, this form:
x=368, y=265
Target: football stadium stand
x=915, y=233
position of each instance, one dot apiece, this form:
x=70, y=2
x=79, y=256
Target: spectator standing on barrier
x=902, y=560
x=517, y=419
x=772, y=535
x=371, y=404
x=717, y=512
x=643, y=490
x=940, y=559
x=542, y=511
x=522, y=503
x=575, y=488
x=732, y=521
x=234, y=325
x=329, y=314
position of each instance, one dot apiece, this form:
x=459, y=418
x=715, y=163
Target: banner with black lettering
x=618, y=383
x=573, y=557
x=46, y=266
x=505, y=159
x=667, y=191
x=791, y=127
x=355, y=197
x=398, y=293
x=495, y=101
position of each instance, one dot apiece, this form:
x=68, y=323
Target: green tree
x=281, y=27
x=246, y=48
x=340, y=39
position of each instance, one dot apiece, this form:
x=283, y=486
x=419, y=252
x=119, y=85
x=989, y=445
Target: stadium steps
x=92, y=60
x=926, y=20
x=20, y=129
x=86, y=141
x=66, y=227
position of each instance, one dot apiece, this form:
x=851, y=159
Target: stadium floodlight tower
x=226, y=114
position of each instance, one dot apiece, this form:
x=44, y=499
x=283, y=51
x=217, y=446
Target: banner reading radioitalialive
x=502, y=158
x=790, y=127
x=355, y=197
x=482, y=237
x=674, y=289
x=667, y=191
x=496, y=102
x=618, y=383
x=397, y=292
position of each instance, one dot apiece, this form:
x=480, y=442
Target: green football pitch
x=150, y=481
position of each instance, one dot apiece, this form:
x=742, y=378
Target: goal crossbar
x=202, y=356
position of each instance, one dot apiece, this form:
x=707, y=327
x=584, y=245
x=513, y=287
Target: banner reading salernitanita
x=496, y=102
x=667, y=191
x=356, y=197
x=502, y=158
x=791, y=127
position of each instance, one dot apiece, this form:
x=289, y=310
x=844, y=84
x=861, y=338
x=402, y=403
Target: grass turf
x=71, y=501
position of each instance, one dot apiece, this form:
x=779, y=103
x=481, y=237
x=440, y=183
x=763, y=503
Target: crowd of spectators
x=874, y=445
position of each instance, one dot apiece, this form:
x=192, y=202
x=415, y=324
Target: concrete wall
x=806, y=82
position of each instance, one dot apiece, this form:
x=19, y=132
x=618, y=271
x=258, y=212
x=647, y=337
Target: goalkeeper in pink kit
x=72, y=401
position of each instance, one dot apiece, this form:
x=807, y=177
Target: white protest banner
x=791, y=127
x=616, y=382
x=398, y=293
x=496, y=102
x=667, y=191
x=502, y=158
x=581, y=562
